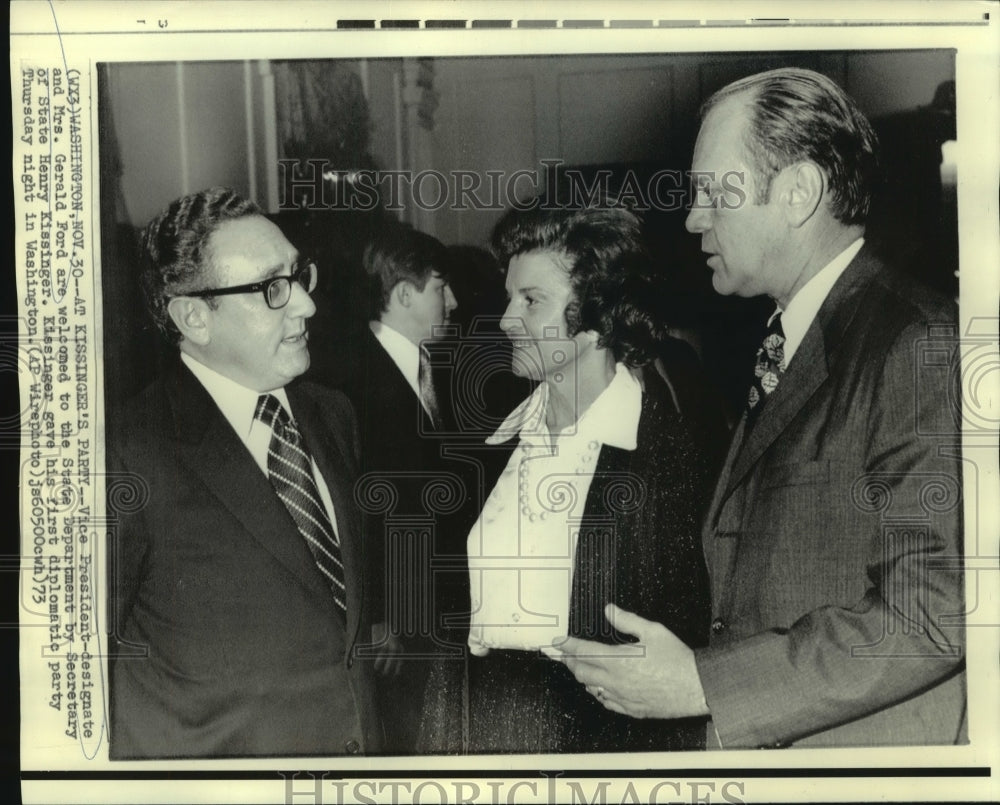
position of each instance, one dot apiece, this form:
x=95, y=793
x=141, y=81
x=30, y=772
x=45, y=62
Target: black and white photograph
x=581, y=397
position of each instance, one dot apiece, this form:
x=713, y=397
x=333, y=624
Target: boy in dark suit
x=403, y=412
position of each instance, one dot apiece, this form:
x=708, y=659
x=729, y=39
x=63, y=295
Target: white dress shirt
x=238, y=404
x=522, y=547
x=803, y=307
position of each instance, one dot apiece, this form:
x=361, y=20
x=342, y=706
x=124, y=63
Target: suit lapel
x=331, y=460
x=804, y=375
x=807, y=371
x=390, y=377
x=722, y=487
x=214, y=454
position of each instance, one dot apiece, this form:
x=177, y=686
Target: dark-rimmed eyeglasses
x=277, y=290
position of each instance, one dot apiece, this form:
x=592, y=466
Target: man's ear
x=190, y=316
x=403, y=293
x=802, y=188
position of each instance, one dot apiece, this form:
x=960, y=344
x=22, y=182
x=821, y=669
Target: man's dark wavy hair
x=174, y=248
x=798, y=114
x=401, y=254
x=610, y=272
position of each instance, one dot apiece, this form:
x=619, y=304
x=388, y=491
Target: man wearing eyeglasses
x=236, y=584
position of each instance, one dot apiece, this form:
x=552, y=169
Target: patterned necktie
x=769, y=369
x=428, y=395
x=289, y=467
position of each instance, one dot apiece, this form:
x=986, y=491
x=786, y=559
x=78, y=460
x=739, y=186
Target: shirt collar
x=236, y=402
x=404, y=353
x=803, y=307
x=611, y=419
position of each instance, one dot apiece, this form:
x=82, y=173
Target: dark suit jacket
x=396, y=433
x=400, y=447
x=229, y=642
x=834, y=538
x=416, y=566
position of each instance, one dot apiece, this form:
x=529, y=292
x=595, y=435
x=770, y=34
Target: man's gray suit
x=834, y=540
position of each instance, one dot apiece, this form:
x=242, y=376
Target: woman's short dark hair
x=401, y=254
x=175, y=248
x=609, y=269
x=798, y=114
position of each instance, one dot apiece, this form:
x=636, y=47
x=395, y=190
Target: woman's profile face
x=539, y=290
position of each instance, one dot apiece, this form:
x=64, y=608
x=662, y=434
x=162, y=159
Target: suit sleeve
x=905, y=635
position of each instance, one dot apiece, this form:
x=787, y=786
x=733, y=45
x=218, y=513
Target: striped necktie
x=289, y=468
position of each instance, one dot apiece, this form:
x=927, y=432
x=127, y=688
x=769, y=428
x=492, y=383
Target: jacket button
x=719, y=626
x=352, y=747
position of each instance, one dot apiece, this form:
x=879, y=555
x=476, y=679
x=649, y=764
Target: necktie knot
x=269, y=409
x=272, y=413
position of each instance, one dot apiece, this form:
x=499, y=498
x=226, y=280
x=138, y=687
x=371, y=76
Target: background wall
x=184, y=126
x=173, y=128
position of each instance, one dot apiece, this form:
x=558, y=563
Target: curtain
x=322, y=114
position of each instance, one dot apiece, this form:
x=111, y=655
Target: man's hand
x=654, y=678
x=389, y=660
